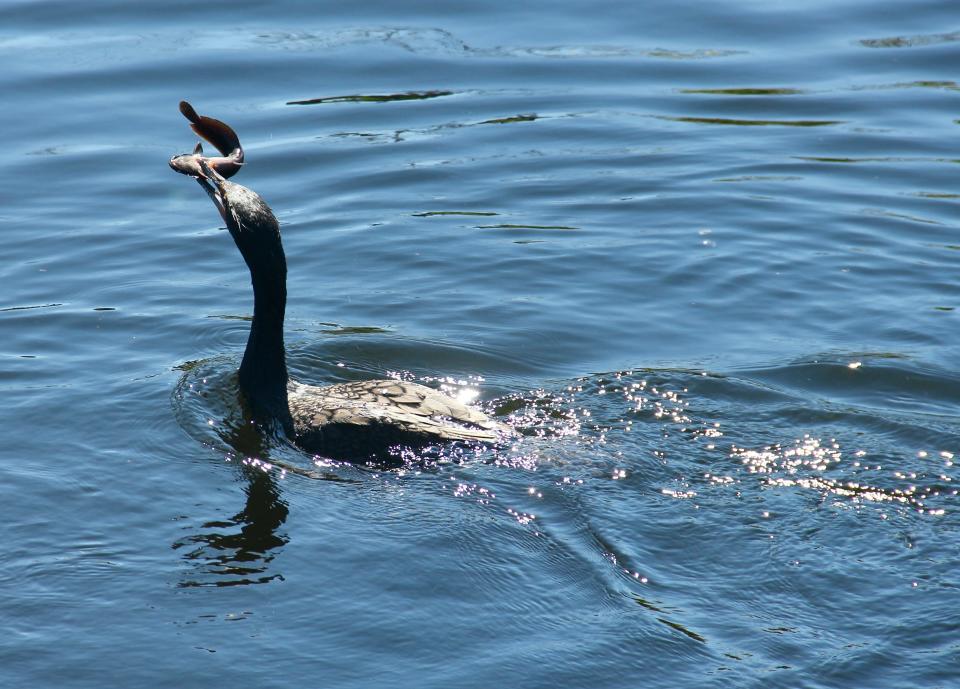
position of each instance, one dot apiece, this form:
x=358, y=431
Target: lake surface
x=704, y=256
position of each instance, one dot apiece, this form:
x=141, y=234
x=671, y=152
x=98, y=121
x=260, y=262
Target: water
x=704, y=256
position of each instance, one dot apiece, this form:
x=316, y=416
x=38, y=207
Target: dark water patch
x=363, y=135
x=920, y=84
x=431, y=214
x=760, y=178
x=746, y=92
x=49, y=151
x=231, y=317
x=751, y=123
x=353, y=330
x=510, y=120
x=945, y=85
x=918, y=40
x=526, y=227
x=935, y=195
x=27, y=308
x=900, y=216
x=701, y=54
x=891, y=159
x=683, y=630
x=389, y=98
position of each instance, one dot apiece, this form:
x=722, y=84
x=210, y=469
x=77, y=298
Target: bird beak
x=215, y=190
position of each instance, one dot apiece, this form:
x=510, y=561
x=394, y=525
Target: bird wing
x=413, y=407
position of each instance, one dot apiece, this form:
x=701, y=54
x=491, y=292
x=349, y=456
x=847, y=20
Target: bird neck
x=263, y=371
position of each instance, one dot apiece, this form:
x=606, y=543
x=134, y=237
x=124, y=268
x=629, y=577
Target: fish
x=218, y=133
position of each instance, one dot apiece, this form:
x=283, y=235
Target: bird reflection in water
x=239, y=550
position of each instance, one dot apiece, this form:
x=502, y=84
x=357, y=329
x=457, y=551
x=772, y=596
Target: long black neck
x=263, y=372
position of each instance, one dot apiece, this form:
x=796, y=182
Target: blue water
x=704, y=256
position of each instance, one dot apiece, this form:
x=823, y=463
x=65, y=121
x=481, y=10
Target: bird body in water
x=357, y=420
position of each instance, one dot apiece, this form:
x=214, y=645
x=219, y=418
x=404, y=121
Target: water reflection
x=239, y=550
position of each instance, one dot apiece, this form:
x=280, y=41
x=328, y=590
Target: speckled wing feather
x=355, y=419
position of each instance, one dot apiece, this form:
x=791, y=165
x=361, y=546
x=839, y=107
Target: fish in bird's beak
x=189, y=163
x=214, y=169
x=218, y=133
